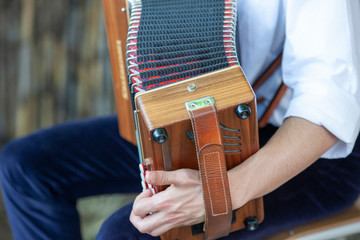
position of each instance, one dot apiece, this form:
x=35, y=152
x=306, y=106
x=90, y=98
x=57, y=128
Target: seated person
x=43, y=174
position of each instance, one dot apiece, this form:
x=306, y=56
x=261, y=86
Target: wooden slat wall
x=54, y=64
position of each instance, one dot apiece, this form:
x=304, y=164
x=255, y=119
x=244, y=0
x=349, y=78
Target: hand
x=181, y=204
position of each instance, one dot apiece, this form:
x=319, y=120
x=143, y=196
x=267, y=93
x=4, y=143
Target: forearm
x=295, y=146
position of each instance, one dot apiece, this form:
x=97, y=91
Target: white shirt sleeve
x=321, y=66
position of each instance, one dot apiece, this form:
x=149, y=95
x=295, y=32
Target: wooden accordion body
x=165, y=108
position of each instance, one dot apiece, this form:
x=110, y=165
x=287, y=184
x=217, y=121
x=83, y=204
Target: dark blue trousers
x=43, y=175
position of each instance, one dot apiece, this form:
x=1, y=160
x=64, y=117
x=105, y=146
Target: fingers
x=145, y=194
x=181, y=204
x=151, y=204
x=160, y=178
x=166, y=199
x=168, y=177
x=156, y=223
x=140, y=203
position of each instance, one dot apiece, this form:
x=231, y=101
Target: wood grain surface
x=117, y=21
x=165, y=108
x=163, y=105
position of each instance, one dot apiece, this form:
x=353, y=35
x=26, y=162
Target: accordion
x=175, y=69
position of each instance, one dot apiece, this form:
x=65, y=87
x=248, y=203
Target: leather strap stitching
x=222, y=181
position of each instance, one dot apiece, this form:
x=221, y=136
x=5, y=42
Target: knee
x=118, y=226
x=10, y=159
x=16, y=164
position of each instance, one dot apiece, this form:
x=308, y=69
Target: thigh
x=73, y=160
x=118, y=226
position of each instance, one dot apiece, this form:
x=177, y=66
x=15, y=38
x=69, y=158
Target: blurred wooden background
x=54, y=67
x=54, y=64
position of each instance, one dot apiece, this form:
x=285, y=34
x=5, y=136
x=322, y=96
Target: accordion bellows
x=169, y=41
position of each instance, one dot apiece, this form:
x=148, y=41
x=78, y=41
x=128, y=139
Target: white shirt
x=320, y=41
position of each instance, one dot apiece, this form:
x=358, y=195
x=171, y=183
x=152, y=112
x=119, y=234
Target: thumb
x=163, y=177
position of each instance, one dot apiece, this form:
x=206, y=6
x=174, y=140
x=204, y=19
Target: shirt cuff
x=324, y=103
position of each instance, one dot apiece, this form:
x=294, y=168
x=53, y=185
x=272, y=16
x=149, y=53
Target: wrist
x=240, y=185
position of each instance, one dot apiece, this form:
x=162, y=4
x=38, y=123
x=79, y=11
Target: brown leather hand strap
x=212, y=167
